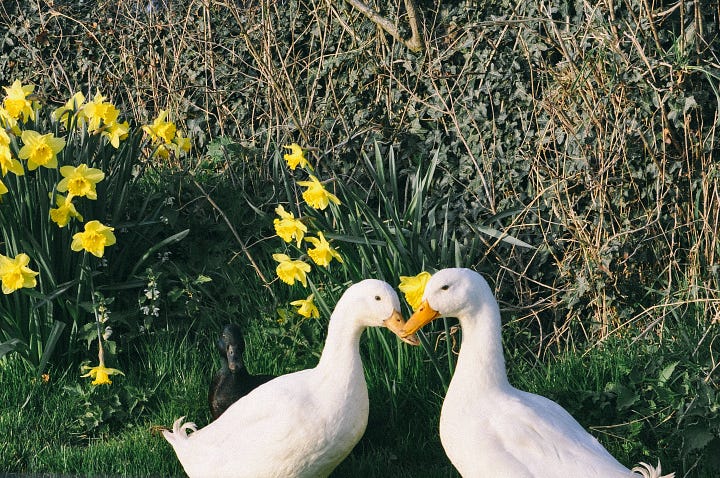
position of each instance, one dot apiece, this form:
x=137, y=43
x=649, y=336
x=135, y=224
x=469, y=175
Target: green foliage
x=102, y=410
x=549, y=123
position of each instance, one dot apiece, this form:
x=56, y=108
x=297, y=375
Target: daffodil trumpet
x=421, y=317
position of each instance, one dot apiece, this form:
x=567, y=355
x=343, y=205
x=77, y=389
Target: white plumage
x=302, y=424
x=490, y=429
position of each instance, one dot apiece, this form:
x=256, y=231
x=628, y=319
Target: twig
x=414, y=43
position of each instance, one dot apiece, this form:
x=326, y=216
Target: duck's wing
x=271, y=405
x=217, y=395
x=544, y=436
x=521, y=435
x=270, y=427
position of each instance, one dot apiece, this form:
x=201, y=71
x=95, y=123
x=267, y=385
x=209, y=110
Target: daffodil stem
x=101, y=350
x=83, y=273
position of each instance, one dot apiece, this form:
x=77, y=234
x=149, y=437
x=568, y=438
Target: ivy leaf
x=625, y=396
x=666, y=373
x=697, y=437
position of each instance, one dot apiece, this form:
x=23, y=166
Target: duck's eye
x=377, y=297
x=445, y=287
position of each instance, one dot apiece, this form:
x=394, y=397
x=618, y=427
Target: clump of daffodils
x=291, y=229
x=166, y=138
x=23, y=150
x=318, y=250
x=31, y=149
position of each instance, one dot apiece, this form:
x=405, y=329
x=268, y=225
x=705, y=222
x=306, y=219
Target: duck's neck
x=481, y=361
x=342, y=346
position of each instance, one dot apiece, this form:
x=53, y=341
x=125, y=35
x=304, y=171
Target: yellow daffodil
x=7, y=162
x=4, y=138
x=289, y=270
x=116, y=132
x=306, y=307
x=80, y=181
x=3, y=190
x=161, y=129
x=100, y=113
x=287, y=227
x=316, y=196
x=100, y=374
x=94, y=239
x=64, y=212
x=413, y=287
x=163, y=151
x=180, y=145
x=16, y=102
x=74, y=106
x=322, y=253
x=295, y=157
x=40, y=149
x=8, y=122
x=183, y=143
x=15, y=274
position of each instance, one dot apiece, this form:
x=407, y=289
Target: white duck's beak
x=396, y=324
x=422, y=316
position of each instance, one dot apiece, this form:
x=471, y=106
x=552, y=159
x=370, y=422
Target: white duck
x=305, y=423
x=488, y=428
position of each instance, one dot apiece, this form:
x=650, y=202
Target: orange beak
x=422, y=316
x=396, y=323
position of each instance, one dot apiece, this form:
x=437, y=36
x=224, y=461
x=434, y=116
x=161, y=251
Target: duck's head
x=231, y=346
x=449, y=293
x=375, y=303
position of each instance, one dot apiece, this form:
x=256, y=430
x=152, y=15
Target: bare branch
x=414, y=43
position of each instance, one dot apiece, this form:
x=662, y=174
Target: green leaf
x=697, y=437
x=666, y=373
x=354, y=239
x=625, y=396
x=9, y=346
x=167, y=241
x=50, y=344
x=500, y=235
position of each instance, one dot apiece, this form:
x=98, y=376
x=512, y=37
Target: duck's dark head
x=232, y=346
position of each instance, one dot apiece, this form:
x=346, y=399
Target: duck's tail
x=179, y=431
x=648, y=471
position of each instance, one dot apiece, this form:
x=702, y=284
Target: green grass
x=178, y=369
x=173, y=371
